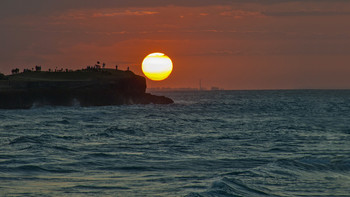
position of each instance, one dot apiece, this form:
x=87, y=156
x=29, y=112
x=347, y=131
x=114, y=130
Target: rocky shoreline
x=107, y=87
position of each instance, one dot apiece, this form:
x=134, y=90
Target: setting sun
x=157, y=66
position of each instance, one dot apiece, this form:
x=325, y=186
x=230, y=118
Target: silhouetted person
x=116, y=67
x=38, y=68
x=128, y=68
x=103, y=65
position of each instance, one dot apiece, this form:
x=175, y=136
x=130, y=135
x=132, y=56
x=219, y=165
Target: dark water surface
x=223, y=143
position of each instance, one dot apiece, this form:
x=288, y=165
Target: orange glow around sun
x=157, y=66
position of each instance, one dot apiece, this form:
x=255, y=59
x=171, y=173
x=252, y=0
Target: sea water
x=209, y=143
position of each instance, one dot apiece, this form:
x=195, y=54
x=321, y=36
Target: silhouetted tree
x=15, y=71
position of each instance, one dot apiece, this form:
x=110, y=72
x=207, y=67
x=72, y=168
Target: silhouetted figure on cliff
x=98, y=66
x=38, y=68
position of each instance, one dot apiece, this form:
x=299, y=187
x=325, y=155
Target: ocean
x=209, y=143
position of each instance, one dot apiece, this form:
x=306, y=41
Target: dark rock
x=86, y=89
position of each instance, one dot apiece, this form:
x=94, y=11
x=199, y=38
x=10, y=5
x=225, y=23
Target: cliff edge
x=81, y=87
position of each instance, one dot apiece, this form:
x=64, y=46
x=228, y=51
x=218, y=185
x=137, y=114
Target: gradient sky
x=232, y=44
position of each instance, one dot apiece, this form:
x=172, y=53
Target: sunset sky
x=231, y=44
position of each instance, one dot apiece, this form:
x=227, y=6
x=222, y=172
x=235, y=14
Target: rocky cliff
x=84, y=88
